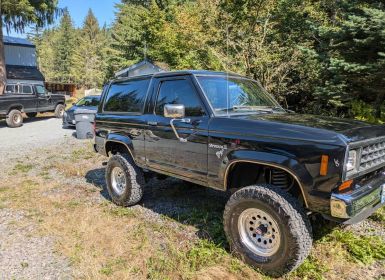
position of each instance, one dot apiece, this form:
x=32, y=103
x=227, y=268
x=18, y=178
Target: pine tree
x=89, y=58
x=64, y=50
x=17, y=15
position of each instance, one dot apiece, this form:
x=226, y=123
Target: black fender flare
x=121, y=139
x=279, y=161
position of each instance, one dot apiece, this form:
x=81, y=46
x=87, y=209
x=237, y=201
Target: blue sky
x=104, y=11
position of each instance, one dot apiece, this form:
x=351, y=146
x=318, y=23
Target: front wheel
x=59, y=111
x=14, y=118
x=268, y=229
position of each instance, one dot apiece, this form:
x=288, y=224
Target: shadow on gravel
x=181, y=201
x=194, y=205
x=26, y=120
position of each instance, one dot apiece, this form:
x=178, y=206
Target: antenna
x=145, y=50
x=227, y=72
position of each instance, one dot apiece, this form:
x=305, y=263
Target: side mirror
x=175, y=111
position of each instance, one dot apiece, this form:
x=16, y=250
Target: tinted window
x=179, y=92
x=10, y=89
x=126, y=96
x=89, y=101
x=27, y=89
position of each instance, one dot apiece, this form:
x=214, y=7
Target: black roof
x=16, y=72
x=8, y=40
x=182, y=72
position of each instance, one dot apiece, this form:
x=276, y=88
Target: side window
x=27, y=89
x=10, y=89
x=179, y=92
x=126, y=96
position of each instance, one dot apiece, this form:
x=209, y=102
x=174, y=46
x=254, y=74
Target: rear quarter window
x=126, y=97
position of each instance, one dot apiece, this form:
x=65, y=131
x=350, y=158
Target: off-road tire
x=31, y=115
x=14, y=118
x=293, y=224
x=135, y=182
x=59, y=111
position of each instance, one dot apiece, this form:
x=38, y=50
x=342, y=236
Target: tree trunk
x=3, y=73
x=379, y=101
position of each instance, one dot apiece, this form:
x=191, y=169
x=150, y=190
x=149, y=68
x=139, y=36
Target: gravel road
x=23, y=256
x=34, y=133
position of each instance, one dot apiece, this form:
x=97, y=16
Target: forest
x=315, y=56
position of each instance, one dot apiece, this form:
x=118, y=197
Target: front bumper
x=357, y=205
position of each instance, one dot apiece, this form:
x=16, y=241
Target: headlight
x=352, y=160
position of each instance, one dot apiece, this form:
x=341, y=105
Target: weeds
x=379, y=216
x=365, y=249
x=23, y=168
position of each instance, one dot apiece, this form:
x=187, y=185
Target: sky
x=104, y=11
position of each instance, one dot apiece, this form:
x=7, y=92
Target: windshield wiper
x=253, y=108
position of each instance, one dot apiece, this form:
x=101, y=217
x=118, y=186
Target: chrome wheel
x=61, y=113
x=259, y=232
x=17, y=118
x=118, y=180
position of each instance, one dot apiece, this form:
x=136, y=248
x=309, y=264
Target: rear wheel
x=31, y=115
x=59, y=111
x=14, y=119
x=268, y=229
x=125, y=180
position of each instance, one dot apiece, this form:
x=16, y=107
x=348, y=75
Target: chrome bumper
x=360, y=203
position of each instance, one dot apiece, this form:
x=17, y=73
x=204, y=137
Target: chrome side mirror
x=177, y=113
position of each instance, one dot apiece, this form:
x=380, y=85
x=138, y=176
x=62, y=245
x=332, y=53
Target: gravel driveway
x=23, y=256
x=35, y=133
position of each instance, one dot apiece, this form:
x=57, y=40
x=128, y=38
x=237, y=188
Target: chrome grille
x=372, y=155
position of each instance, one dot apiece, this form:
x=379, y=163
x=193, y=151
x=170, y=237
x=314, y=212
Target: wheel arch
x=116, y=142
x=16, y=106
x=276, y=161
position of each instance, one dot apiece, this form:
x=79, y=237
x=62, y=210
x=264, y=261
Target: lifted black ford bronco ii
x=226, y=132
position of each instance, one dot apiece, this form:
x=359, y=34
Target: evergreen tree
x=17, y=15
x=64, y=50
x=89, y=58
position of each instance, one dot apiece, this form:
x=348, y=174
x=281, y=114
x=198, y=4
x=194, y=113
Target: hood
x=57, y=96
x=74, y=108
x=352, y=130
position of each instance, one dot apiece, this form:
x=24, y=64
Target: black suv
x=226, y=132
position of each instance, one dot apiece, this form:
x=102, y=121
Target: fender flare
x=279, y=161
x=14, y=106
x=117, y=138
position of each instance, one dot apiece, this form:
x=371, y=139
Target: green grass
x=379, y=216
x=23, y=168
x=311, y=268
x=121, y=212
x=364, y=249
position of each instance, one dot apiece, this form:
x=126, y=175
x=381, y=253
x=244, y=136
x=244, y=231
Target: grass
x=103, y=241
x=22, y=168
x=364, y=249
x=379, y=216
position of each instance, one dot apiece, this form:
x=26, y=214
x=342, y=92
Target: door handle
x=152, y=123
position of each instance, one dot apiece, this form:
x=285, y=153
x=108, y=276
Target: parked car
x=89, y=102
x=226, y=132
x=30, y=99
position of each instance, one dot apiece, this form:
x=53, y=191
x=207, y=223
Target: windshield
x=232, y=95
x=89, y=101
x=40, y=89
